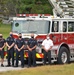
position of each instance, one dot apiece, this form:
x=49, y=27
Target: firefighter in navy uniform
x=2, y=45
x=19, y=45
x=31, y=45
x=10, y=49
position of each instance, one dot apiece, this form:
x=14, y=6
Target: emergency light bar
x=33, y=15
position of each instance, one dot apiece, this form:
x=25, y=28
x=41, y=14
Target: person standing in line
x=31, y=45
x=10, y=49
x=19, y=45
x=47, y=45
x=2, y=45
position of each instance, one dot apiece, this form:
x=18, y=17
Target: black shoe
x=12, y=65
x=28, y=66
x=16, y=66
x=44, y=63
x=2, y=65
x=8, y=65
x=22, y=66
x=34, y=65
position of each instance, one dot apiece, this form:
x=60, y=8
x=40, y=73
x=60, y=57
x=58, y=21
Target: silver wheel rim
x=64, y=57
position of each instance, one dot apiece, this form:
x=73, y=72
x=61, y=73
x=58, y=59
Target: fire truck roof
x=38, y=17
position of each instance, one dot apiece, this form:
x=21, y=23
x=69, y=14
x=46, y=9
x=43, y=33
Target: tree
x=12, y=7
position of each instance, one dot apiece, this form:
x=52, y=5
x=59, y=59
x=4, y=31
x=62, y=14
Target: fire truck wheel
x=63, y=56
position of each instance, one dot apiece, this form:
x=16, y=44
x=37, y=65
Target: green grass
x=67, y=69
x=5, y=29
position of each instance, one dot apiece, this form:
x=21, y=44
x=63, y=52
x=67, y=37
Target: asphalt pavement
x=2, y=69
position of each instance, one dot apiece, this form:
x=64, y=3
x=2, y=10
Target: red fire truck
x=60, y=30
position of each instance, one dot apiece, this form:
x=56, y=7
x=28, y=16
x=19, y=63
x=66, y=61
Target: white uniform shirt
x=47, y=43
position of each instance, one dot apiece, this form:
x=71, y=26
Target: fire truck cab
x=60, y=30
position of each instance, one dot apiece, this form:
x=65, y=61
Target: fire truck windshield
x=31, y=26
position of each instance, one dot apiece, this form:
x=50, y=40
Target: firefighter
x=31, y=45
x=2, y=45
x=20, y=44
x=47, y=45
x=10, y=49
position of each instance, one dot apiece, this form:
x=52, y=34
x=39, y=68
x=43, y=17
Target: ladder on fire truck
x=63, y=8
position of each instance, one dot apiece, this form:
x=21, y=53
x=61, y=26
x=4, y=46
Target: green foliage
x=12, y=7
x=41, y=9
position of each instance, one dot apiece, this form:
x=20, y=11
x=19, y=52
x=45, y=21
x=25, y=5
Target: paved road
x=10, y=68
x=2, y=69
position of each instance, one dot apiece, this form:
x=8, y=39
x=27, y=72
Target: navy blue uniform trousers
x=32, y=57
x=10, y=55
x=21, y=53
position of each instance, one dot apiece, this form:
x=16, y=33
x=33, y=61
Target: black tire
x=63, y=56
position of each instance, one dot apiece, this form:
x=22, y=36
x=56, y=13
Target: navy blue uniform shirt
x=32, y=42
x=20, y=42
x=10, y=40
x=2, y=41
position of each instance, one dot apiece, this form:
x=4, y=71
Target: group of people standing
x=18, y=45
